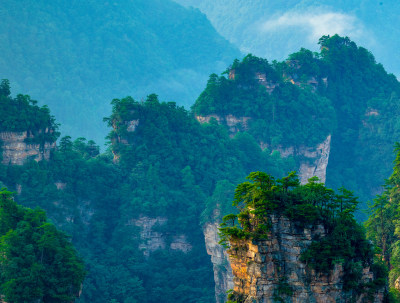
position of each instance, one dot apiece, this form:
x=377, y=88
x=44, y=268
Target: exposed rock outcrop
x=316, y=161
x=223, y=276
x=313, y=160
x=152, y=240
x=270, y=270
x=16, y=149
x=235, y=124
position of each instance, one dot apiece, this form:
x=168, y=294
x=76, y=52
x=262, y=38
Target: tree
x=37, y=262
x=5, y=88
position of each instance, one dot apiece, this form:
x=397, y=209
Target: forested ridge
x=340, y=91
x=163, y=165
x=76, y=56
x=167, y=171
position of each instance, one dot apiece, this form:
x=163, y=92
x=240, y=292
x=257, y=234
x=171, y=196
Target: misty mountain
x=274, y=29
x=76, y=56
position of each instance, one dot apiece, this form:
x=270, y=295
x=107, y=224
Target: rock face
x=270, y=270
x=223, y=276
x=235, y=124
x=16, y=150
x=152, y=240
x=313, y=160
x=316, y=161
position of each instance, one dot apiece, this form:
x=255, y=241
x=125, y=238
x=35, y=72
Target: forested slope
x=75, y=56
x=146, y=200
x=340, y=91
x=145, y=203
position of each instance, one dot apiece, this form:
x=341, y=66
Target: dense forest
x=166, y=175
x=38, y=263
x=75, y=56
x=167, y=171
x=340, y=91
x=383, y=225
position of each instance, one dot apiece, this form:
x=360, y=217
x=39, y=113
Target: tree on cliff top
x=37, y=262
x=306, y=206
x=21, y=114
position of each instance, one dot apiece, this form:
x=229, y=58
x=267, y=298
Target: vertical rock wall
x=15, y=149
x=152, y=240
x=223, y=276
x=271, y=271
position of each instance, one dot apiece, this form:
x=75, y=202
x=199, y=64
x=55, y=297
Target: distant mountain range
x=76, y=56
x=274, y=29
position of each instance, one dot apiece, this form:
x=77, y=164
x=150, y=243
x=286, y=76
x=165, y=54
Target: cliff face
x=313, y=160
x=271, y=271
x=234, y=124
x=16, y=150
x=152, y=240
x=223, y=276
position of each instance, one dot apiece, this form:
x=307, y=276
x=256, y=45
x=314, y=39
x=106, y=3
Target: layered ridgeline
x=274, y=29
x=134, y=212
x=166, y=180
x=299, y=243
x=337, y=105
x=75, y=56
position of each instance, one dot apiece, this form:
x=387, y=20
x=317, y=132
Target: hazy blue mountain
x=76, y=56
x=274, y=29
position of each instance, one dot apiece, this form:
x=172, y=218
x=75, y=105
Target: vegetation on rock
x=21, y=114
x=164, y=168
x=281, y=112
x=340, y=91
x=307, y=206
x=162, y=163
x=84, y=53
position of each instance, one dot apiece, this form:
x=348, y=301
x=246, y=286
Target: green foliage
x=307, y=205
x=164, y=168
x=278, y=118
x=22, y=114
x=173, y=150
x=37, y=262
x=340, y=91
x=94, y=50
x=283, y=289
x=364, y=97
x=383, y=224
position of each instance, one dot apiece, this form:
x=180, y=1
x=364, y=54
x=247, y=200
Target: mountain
x=75, y=56
x=145, y=214
x=299, y=243
x=274, y=29
x=340, y=98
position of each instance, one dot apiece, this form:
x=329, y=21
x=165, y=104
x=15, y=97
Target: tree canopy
x=37, y=262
